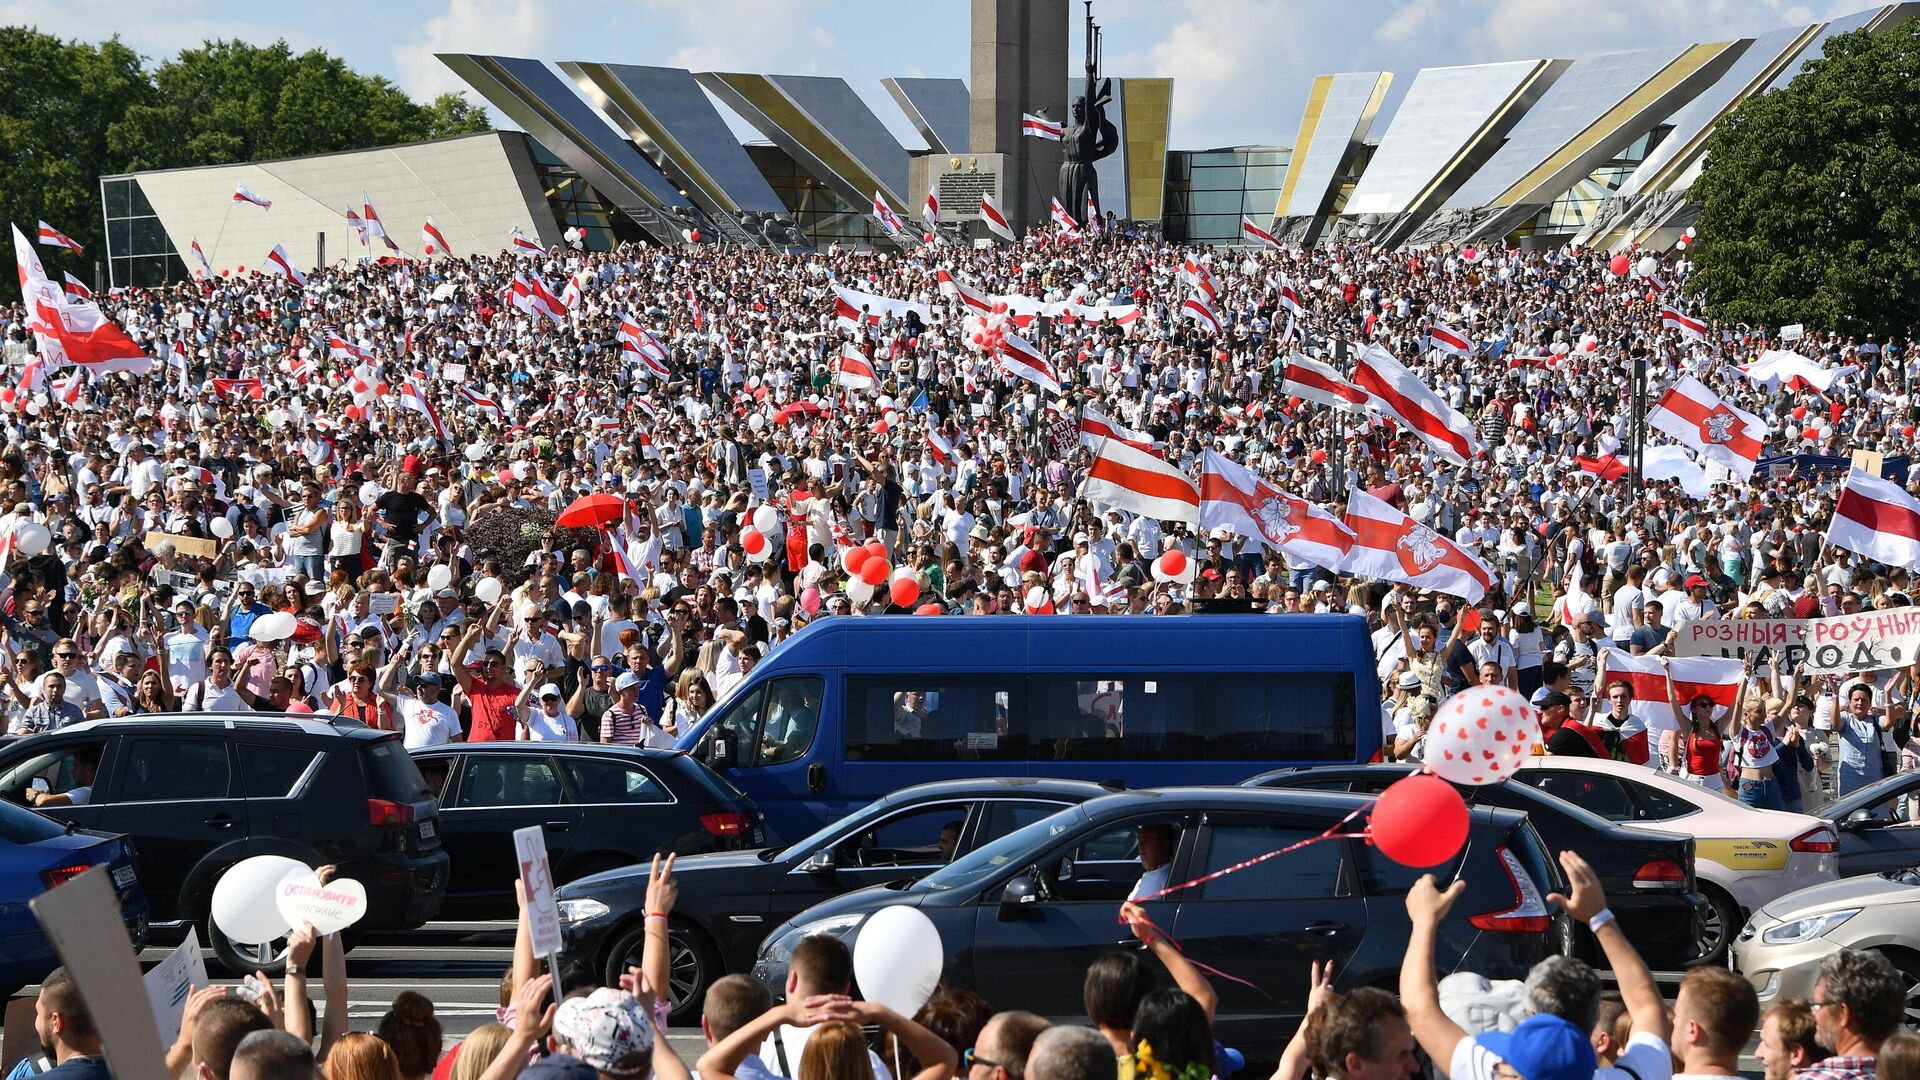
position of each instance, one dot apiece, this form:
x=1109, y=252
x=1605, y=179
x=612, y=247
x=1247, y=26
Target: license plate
x=428, y=830
x=123, y=877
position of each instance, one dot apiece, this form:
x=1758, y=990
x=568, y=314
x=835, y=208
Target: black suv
x=1021, y=917
x=199, y=792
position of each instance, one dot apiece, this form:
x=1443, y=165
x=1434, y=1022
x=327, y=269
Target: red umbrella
x=798, y=408
x=591, y=512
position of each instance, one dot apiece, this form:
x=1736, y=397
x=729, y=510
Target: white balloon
x=756, y=422
x=903, y=572
x=898, y=958
x=476, y=451
x=1648, y=264
x=1036, y=598
x=766, y=519
x=440, y=576
x=243, y=899
x=487, y=590
x=859, y=592
x=1689, y=232
x=369, y=493
x=273, y=626
x=221, y=528
x=32, y=538
x=520, y=470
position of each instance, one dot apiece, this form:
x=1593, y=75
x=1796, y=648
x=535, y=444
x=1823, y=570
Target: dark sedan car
x=1879, y=825
x=1022, y=918
x=600, y=807
x=37, y=854
x=1648, y=878
x=728, y=901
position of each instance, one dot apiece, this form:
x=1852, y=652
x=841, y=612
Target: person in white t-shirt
x=429, y=720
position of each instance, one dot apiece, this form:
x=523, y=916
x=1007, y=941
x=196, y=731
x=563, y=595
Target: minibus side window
x=793, y=717
x=929, y=718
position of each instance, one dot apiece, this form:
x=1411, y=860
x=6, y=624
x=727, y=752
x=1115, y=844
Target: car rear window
x=391, y=774
x=18, y=825
x=269, y=772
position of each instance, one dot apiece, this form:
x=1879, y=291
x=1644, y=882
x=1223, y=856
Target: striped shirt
x=631, y=727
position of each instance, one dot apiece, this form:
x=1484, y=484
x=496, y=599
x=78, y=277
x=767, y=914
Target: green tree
x=56, y=99
x=1810, y=195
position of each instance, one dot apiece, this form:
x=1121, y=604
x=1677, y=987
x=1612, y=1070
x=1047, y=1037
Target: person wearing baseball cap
x=545, y=717
x=609, y=1032
x=1698, y=604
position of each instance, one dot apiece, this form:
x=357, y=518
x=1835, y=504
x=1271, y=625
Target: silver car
x=1780, y=949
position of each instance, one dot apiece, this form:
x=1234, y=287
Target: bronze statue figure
x=1088, y=138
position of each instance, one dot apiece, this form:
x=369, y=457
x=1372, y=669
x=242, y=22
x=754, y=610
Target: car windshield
x=832, y=829
x=983, y=862
x=1889, y=800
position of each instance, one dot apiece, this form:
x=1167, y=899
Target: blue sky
x=1242, y=67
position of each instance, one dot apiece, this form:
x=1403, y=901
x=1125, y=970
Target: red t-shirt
x=493, y=718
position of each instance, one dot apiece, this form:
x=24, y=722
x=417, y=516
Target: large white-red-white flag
x=1689, y=327
x=1255, y=232
x=1388, y=544
x=242, y=194
x=53, y=237
x=1195, y=307
x=1039, y=127
x=1020, y=359
x=1096, y=427
x=280, y=264
x=522, y=244
x=1698, y=418
x=994, y=217
x=1878, y=519
x=1400, y=394
x=854, y=370
x=1716, y=677
x=413, y=396
x=889, y=220
x=1235, y=498
x=1124, y=478
x=432, y=240
x=930, y=210
x=1313, y=380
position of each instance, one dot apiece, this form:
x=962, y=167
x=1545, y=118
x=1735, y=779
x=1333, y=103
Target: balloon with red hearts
x=1481, y=735
x=1419, y=821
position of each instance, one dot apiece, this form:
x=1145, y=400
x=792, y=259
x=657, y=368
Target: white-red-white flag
x=200, y=257
x=1689, y=327
x=570, y=296
x=852, y=307
x=75, y=289
x=1097, y=427
x=1313, y=380
x=1039, y=127
x=413, y=396
x=1195, y=307
x=1698, y=418
x=1062, y=218
x=340, y=348
x=1716, y=677
x=1400, y=394
x=938, y=445
x=53, y=237
x=432, y=240
x=545, y=303
x=1448, y=340
x=854, y=370
x=242, y=194
x=1290, y=300
x=81, y=334
x=1235, y=498
x=66, y=389
x=1388, y=544
x=930, y=210
x=970, y=296
x=1878, y=519
x=1196, y=270
x=1255, y=232
x=358, y=226
x=884, y=214
x=994, y=217
x=479, y=401
x=280, y=264
x=522, y=244
x=1021, y=360
x=1124, y=478
x=374, y=225
x=638, y=341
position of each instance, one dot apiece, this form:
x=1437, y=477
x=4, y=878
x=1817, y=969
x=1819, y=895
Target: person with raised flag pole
x=994, y=218
x=53, y=237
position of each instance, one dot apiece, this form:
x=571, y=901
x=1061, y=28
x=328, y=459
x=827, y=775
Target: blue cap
x=1543, y=1047
x=627, y=680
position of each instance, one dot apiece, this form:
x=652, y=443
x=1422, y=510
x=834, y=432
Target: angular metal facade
x=938, y=109
x=1340, y=109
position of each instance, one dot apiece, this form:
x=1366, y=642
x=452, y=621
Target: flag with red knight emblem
x=1698, y=418
x=1388, y=544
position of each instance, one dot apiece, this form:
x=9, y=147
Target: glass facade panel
x=1209, y=191
x=139, y=252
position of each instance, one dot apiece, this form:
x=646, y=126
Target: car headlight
x=779, y=948
x=1813, y=926
x=582, y=910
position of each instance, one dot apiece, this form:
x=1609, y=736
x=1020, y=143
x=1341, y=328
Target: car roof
x=980, y=787
x=594, y=749
x=1181, y=799
x=320, y=724
x=1718, y=817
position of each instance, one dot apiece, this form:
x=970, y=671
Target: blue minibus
x=850, y=709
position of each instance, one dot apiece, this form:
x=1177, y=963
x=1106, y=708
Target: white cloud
x=501, y=27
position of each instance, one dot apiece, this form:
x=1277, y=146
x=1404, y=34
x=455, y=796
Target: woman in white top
x=548, y=720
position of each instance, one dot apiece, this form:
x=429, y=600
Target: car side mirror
x=1021, y=890
x=1859, y=820
x=719, y=754
x=819, y=862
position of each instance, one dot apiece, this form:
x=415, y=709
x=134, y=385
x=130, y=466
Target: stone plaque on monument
x=960, y=180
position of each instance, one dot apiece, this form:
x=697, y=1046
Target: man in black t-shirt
x=403, y=511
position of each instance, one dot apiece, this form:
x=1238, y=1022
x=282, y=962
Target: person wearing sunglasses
x=592, y=696
x=545, y=719
x=82, y=689
x=489, y=688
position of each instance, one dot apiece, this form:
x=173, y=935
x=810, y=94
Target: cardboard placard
x=192, y=547
x=172, y=981
x=757, y=479
x=383, y=603
x=82, y=918
x=1868, y=461
x=1793, y=332
x=543, y=918
x=454, y=373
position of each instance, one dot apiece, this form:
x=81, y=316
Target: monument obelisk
x=1019, y=64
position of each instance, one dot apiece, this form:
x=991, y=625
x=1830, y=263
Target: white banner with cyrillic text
x=1867, y=641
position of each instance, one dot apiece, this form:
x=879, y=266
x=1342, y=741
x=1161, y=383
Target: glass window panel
x=1216, y=202
x=119, y=236
x=118, y=196
x=510, y=781
x=1311, y=871
x=170, y=770
x=930, y=718
x=1219, y=179
x=149, y=238
x=1266, y=176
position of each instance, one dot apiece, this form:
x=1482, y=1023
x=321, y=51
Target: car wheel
x=1718, y=925
x=241, y=960
x=692, y=963
x=1908, y=965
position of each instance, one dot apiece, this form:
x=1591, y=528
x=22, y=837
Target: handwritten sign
x=1840, y=645
x=383, y=603
x=193, y=547
x=757, y=479
x=543, y=917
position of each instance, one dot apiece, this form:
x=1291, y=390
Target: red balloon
x=1620, y=265
x=1799, y=412
x=877, y=548
x=904, y=590
x=1906, y=430
x=1294, y=402
x=1000, y=307
x=1318, y=456
x=694, y=236
x=753, y=541
x=979, y=339
x=1811, y=434
x=875, y=571
x=852, y=558
x=929, y=609
x=1173, y=563
x=1419, y=821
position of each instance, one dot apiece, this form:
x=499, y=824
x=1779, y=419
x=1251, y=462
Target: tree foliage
x=71, y=112
x=1810, y=195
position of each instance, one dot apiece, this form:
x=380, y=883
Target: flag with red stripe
x=1878, y=519
x=1718, y=678
x=1195, y=307
x=1062, y=218
x=53, y=237
x=75, y=289
x=970, y=296
x=1235, y=498
x=1096, y=427
x=1290, y=300
x=1400, y=394
x=280, y=264
x=250, y=388
x=888, y=220
x=1039, y=127
x=1689, y=327
x=339, y=348
x=432, y=240
x=242, y=194
x=939, y=445
x=1388, y=544
x=412, y=396
x=854, y=370
x=1023, y=361
x=930, y=210
x=1448, y=340
x=521, y=244
x=545, y=303
x=80, y=334
x=1313, y=380
x=1696, y=417
x=994, y=217
x=479, y=401
x=200, y=257
x=1249, y=229
x=1123, y=478
x=852, y=307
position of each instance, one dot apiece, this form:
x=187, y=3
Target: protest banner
x=1842, y=644
x=192, y=547
x=171, y=981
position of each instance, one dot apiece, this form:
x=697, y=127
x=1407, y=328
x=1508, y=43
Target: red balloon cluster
x=753, y=541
